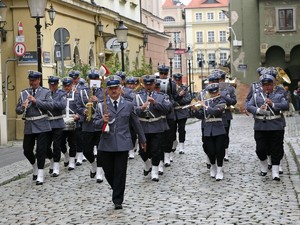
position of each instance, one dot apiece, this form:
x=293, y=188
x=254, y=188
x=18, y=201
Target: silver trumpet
x=147, y=111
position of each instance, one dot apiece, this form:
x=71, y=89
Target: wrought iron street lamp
x=171, y=54
x=121, y=32
x=37, y=11
x=189, y=56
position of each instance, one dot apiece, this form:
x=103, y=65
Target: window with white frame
x=177, y=61
x=211, y=59
x=199, y=37
x=176, y=38
x=223, y=58
x=286, y=19
x=222, y=36
x=200, y=59
x=221, y=16
x=210, y=16
x=198, y=16
x=210, y=36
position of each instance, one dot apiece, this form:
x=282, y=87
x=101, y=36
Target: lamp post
x=37, y=11
x=189, y=55
x=170, y=53
x=121, y=32
x=3, y=126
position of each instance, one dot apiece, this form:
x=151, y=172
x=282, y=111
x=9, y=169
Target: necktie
x=116, y=105
x=33, y=92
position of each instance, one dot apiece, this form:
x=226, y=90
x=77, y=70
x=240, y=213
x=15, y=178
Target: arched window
x=76, y=56
x=169, y=19
x=91, y=58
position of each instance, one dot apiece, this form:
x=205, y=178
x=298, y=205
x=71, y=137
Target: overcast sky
x=186, y=2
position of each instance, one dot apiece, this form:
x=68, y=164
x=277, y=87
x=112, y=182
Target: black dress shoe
x=55, y=175
x=66, y=164
x=50, y=171
x=147, y=172
x=208, y=166
x=226, y=160
x=181, y=152
x=160, y=173
x=118, y=206
x=70, y=168
x=263, y=174
x=269, y=167
x=78, y=164
x=92, y=175
x=167, y=164
x=155, y=179
x=276, y=178
x=34, y=177
x=99, y=181
x=280, y=172
x=39, y=183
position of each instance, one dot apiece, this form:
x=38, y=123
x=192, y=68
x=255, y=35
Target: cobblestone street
x=185, y=194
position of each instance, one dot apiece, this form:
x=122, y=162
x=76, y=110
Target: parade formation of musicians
x=110, y=118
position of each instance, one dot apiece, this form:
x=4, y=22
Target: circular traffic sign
x=20, y=49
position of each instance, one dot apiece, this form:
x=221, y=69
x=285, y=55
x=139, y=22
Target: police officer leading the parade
x=33, y=104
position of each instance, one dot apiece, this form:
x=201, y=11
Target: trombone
x=201, y=103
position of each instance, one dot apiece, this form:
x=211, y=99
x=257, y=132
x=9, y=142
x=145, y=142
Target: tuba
x=282, y=77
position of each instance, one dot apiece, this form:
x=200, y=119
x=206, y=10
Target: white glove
x=264, y=112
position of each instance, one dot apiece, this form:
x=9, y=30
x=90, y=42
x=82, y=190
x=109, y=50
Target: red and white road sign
x=20, y=28
x=20, y=49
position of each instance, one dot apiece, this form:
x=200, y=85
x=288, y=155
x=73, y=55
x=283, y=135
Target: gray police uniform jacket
x=152, y=120
x=212, y=123
x=118, y=138
x=229, y=96
x=182, y=101
x=72, y=96
x=129, y=94
x=272, y=122
x=36, y=118
x=255, y=87
x=55, y=114
x=81, y=107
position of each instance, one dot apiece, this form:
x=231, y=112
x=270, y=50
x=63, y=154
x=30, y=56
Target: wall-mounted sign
x=46, y=57
x=66, y=53
x=113, y=45
x=28, y=58
x=242, y=66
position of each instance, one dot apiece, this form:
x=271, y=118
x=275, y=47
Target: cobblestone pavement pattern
x=185, y=194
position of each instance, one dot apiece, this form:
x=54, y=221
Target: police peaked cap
x=121, y=74
x=93, y=74
x=163, y=69
x=130, y=80
x=266, y=78
x=213, y=77
x=112, y=81
x=213, y=88
x=177, y=76
x=74, y=73
x=67, y=81
x=260, y=69
x=33, y=75
x=53, y=80
x=148, y=79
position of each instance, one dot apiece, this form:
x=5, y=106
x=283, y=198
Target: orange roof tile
x=170, y=4
x=203, y=4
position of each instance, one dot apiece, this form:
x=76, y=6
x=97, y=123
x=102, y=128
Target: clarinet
x=266, y=104
x=30, y=92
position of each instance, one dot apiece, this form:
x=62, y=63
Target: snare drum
x=70, y=123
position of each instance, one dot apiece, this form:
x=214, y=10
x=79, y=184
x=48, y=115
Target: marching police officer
x=168, y=86
x=33, y=104
x=151, y=108
x=181, y=115
x=78, y=84
x=113, y=148
x=213, y=131
x=266, y=106
x=55, y=116
x=227, y=92
x=70, y=118
x=86, y=105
